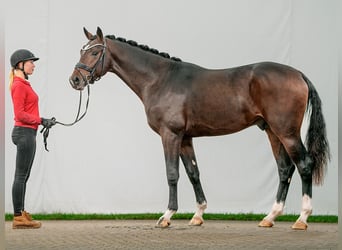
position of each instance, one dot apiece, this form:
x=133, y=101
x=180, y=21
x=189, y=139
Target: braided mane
x=143, y=47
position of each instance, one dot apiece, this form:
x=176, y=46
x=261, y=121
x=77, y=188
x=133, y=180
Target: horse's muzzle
x=76, y=82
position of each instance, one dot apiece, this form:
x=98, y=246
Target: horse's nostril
x=76, y=80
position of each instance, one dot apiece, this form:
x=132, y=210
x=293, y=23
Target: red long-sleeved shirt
x=25, y=104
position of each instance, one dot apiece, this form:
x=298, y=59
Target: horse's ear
x=99, y=33
x=87, y=33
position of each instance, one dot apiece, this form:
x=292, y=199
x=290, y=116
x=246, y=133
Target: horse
x=183, y=100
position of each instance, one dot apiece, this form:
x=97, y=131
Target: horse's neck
x=137, y=68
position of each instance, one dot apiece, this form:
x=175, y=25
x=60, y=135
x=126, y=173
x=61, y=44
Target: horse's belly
x=215, y=128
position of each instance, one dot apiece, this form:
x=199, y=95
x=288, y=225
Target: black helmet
x=22, y=55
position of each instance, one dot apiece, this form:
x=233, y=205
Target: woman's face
x=28, y=67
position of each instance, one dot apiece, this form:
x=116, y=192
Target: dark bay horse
x=183, y=100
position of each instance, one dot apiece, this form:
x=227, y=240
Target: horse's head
x=91, y=65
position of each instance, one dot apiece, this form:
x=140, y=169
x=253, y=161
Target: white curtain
x=112, y=162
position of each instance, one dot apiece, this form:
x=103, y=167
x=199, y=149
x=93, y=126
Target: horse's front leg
x=189, y=160
x=171, y=144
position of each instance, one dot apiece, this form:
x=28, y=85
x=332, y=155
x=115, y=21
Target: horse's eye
x=94, y=53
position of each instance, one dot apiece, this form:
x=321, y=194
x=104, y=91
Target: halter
x=90, y=78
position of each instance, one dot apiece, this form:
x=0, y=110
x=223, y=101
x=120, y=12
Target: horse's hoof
x=265, y=223
x=162, y=223
x=299, y=225
x=196, y=221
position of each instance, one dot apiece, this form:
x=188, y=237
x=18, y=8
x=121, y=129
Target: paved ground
x=142, y=234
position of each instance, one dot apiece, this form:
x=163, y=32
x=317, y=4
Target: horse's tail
x=316, y=138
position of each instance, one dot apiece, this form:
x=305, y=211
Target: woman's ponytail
x=11, y=76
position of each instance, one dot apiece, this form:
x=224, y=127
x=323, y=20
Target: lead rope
x=78, y=118
x=46, y=130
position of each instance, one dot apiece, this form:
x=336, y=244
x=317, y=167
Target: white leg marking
x=277, y=209
x=306, y=209
x=200, y=209
x=167, y=215
x=197, y=219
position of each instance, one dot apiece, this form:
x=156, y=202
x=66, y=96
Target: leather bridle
x=87, y=79
x=91, y=78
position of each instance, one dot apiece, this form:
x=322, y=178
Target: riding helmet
x=22, y=55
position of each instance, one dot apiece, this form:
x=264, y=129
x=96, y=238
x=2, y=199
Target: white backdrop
x=112, y=162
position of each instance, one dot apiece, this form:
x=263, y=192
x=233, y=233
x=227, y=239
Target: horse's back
x=215, y=102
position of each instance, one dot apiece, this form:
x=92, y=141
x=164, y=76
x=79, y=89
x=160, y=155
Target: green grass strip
x=180, y=216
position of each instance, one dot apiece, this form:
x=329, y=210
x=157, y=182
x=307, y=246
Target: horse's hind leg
x=285, y=171
x=189, y=160
x=303, y=161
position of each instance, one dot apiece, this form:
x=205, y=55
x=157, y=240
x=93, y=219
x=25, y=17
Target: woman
x=27, y=120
